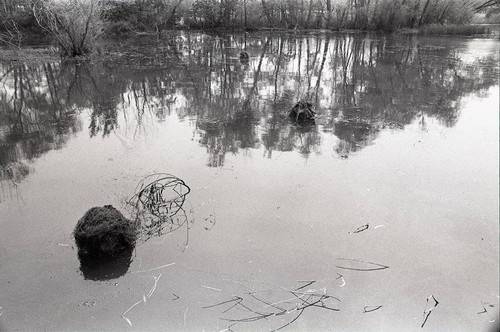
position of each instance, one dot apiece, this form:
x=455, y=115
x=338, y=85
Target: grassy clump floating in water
x=104, y=231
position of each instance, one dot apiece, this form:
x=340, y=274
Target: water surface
x=399, y=169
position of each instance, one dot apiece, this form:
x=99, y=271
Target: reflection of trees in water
x=359, y=85
x=35, y=117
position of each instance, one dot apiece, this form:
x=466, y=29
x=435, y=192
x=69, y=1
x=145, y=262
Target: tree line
x=76, y=24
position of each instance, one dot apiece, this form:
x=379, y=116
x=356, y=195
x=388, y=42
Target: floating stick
x=427, y=312
x=212, y=288
x=370, y=308
x=153, y=269
x=377, y=266
x=360, y=229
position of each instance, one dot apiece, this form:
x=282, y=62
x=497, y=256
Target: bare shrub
x=74, y=24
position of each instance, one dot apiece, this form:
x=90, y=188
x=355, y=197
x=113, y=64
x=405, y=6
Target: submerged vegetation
x=75, y=25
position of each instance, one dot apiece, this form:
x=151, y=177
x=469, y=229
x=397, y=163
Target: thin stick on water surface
x=154, y=286
x=427, y=312
x=378, y=266
x=224, y=302
x=370, y=308
x=153, y=269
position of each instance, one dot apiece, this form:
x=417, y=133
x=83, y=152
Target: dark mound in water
x=104, y=231
x=244, y=58
x=302, y=113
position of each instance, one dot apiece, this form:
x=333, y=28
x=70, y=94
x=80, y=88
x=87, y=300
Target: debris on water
x=158, y=204
x=302, y=113
x=185, y=314
x=154, y=268
x=484, y=305
x=127, y=320
x=210, y=222
x=211, y=288
x=360, y=265
x=104, y=231
x=307, y=283
x=160, y=194
x=360, y=229
x=152, y=290
x=484, y=309
x=370, y=308
x=88, y=303
x=262, y=301
x=143, y=300
x=427, y=312
x=341, y=277
x=237, y=298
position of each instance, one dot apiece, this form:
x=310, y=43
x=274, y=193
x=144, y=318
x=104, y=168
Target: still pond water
x=382, y=215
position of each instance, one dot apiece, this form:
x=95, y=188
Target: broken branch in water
x=484, y=304
x=360, y=229
x=484, y=309
x=185, y=314
x=127, y=320
x=154, y=286
x=308, y=283
x=375, y=268
x=293, y=320
x=211, y=288
x=143, y=300
x=370, y=308
x=237, y=298
x=133, y=305
x=427, y=312
x=228, y=328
